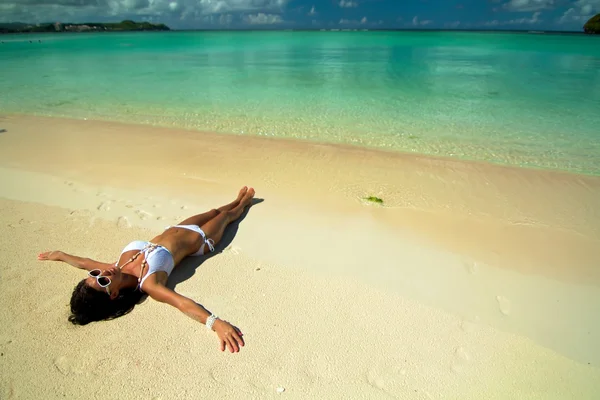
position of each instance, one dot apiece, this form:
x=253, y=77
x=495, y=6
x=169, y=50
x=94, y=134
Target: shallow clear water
x=521, y=99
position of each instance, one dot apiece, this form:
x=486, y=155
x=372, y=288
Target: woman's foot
x=236, y=202
x=246, y=201
x=247, y=198
x=241, y=193
x=216, y=226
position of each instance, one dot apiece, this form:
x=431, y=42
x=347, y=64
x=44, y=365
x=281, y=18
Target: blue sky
x=329, y=14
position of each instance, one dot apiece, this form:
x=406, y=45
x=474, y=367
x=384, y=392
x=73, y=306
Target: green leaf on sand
x=374, y=199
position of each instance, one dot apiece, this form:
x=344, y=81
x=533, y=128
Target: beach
x=471, y=280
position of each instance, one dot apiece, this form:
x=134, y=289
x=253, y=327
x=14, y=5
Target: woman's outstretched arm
x=229, y=336
x=78, y=262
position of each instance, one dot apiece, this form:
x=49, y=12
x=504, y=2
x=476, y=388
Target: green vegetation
x=127, y=25
x=374, y=199
x=593, y=25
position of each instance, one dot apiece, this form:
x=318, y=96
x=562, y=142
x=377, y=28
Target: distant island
x=127, y=25
x=593, y=25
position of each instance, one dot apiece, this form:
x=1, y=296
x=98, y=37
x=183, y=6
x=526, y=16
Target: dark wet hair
x=89, y=305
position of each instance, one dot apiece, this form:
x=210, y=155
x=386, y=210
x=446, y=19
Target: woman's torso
x=179, y=242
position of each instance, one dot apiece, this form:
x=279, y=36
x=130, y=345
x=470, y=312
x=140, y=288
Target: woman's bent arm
x=229, y=336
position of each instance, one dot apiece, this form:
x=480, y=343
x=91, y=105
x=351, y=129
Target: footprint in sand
x=461, y=359
x=109, y=367
x=104, y=206
x=462, y=354
x=143, y=215
x=472, y=267
x=503, y=304
x=11, y=393
x=376, y=381
x=468, y=325
x=123, y=222
x=62, y=364
x=65, y=366
x=388, y=377
x=246, y=378
x=81, y=214
x=234, y=250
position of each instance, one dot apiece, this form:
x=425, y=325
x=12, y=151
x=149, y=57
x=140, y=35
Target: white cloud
x=225, y=19
x=534, y=19
x=101, y=10
x=529, y=5
x=347, y=4
x=344, y=21
x=263, y=19
x=215, y=19
x=581, y=11
x=417, y=22
x=453, y=24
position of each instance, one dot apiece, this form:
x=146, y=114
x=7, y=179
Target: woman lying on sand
x=113, y=289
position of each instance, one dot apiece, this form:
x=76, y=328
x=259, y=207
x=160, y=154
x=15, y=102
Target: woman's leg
x=202, y=219
x=214, y=228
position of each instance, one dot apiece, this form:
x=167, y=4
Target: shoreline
x=502, y=260
x=498, y=175
x=297, y=141
x=416, y=144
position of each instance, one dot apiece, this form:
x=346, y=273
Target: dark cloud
x=63, y=3
x=102, y=10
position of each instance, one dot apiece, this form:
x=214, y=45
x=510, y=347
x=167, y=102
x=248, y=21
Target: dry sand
x=472, y=281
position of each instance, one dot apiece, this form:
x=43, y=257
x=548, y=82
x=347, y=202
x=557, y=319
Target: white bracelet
x=210, y=321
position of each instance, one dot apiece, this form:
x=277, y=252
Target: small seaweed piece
x=374, y=199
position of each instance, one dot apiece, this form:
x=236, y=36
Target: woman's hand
x=229, y=336
x=51, y=256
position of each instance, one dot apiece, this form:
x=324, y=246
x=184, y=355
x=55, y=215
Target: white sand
x=336, y=298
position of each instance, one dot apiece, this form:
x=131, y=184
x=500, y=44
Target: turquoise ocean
x=512, y=98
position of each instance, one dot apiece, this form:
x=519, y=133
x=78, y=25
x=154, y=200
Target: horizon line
x=254, y=29
x=357, y=28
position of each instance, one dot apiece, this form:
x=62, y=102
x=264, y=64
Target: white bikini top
x=157, y=257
